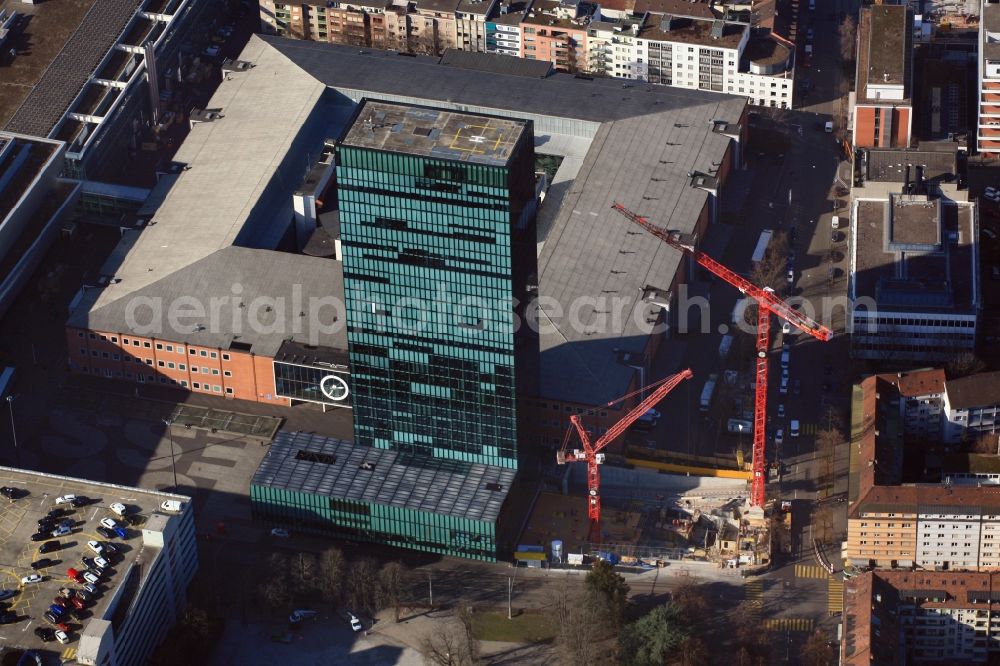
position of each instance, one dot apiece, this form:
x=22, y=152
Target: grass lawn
x=523, y=628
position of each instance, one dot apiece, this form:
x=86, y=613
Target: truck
x=725, y=345
x=707, y=392
x=762, y=242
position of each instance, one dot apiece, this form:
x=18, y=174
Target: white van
x=835, y=222
x=794, y=428
x=828, y=127
x=809, y=49
x=172, y=506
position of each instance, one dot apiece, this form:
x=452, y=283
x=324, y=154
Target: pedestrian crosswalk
x=835, y=596
x=809, y=428
x=810, y=571
x=789, y=624
x=753, y=590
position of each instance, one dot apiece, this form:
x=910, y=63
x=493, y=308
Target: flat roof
x=245, y=299
x=72, y=68
x=649, y=140
x=22, y=160
x=915, y=254
x=18, y=551
x=309, y=463
x=704, y=32
x=495, y=63
x=889, y=165
x=51, y=25
x=884, y=54
x=991, y=16
x=229, y=166
x=436, y=133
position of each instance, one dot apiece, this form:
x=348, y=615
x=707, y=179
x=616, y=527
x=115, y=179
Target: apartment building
x=882, y=107
x=914, y=277
x=470, y=24
x=971, y=406
x=556, y=32
x=895, y=618
x=988, y=134
x=503, y=28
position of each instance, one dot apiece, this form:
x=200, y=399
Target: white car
x=118, y=508
x=101, y=562
x=61, y=636
x=786, y=328
x=779, y=436
x=781, y=410
x=355, y=622
x=794, y=428
x=61, y=531
x=95, y=546
x=790, y=276
x=91, y=577
x=109, y=523
x=65, y=499
x=172, y=506
x=31, y=578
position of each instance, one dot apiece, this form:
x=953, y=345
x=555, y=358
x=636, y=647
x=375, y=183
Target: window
x=170, y=348
x=104, y=354
x=214, y=371
x=147, y=345
x=170, y=365
x=181, y=366
x=135, y=343
x=227, y=373
x=115, y=357
x=229, y=390
x=217, y=389
x=196, y=385
x=159, y=345
x=225, y=357
x=114, y=338
x=79, y=334
x=160, y=363
x=92, y=336
x=184, y=383
x=204, y=370
x=203, y=352
x=194, y=368
x=194, y=351
x=214, y=355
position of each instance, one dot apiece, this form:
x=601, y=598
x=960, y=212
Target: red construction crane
x=591, y=452
x=767, y=303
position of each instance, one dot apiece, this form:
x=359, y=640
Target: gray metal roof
x=435, y=485
x=559, y=95
x=273, y=288
x=69, y=72
x=494, y=63
x=649, y=140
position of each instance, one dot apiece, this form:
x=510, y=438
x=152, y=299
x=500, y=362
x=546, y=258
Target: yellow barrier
x=685, y=469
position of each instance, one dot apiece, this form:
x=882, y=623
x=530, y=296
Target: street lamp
x=13, y=431
x=173, y=462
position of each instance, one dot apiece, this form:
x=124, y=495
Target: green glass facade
x=377, y=523
x=431, y=275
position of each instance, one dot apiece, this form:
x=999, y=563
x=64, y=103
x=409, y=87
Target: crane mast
x=591, y=451
x=767, y=303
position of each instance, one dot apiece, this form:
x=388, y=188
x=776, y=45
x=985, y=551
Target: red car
x=61, y=601
x=63, y=626
x=77, y=602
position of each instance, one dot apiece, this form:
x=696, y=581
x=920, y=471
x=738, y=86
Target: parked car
x=794, y=428
x=280, y=532
x=8, y=617
x=172, y=506
x=786, y=328
x=65, y=499
x=121, y=532
x=41, y=564
x=10, y=492
x=781, y=410
x=62, y=637
x=57, y=513
x=80, y=501
x=48, y=547
x=58, y=610
x=46, y=634
x=212, y=51
x=61, y=531
x=91, y=577
x=109, y=523
x=354, y=621
x=40, y=536
x=105, y=532
x=119, y=509
x=95, y=546
x=72, y=573
x=7, y=594
x=51, y=617
x=83, y=595
x=77, y=603
x=109, y=549
x=87, y=561
x=30, y=579
x=101, y=563
x=90, y=588
x=61, y=601
x=779, y=436
x=67, y=592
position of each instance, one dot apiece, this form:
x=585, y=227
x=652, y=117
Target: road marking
x=753, y=590
x=789, y=624
x=94, y=515
x=810, y=571
x=69, y=653
x=835, y=596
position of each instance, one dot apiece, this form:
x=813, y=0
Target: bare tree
x=332, y=567
x=689, y=598
x=693, y=652
x=446, y=645
x=816, y=651
x=276, y=589
x=581, y=617
x=464, y=615
x=391, y=585
x=964, y=364
x=848, y=39
x=304, y=573
x=363, y=585
x=769, y=271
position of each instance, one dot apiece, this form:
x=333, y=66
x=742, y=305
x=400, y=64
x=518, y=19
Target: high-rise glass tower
x=437, y=228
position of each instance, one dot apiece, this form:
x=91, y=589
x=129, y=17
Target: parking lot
x=29, y=602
